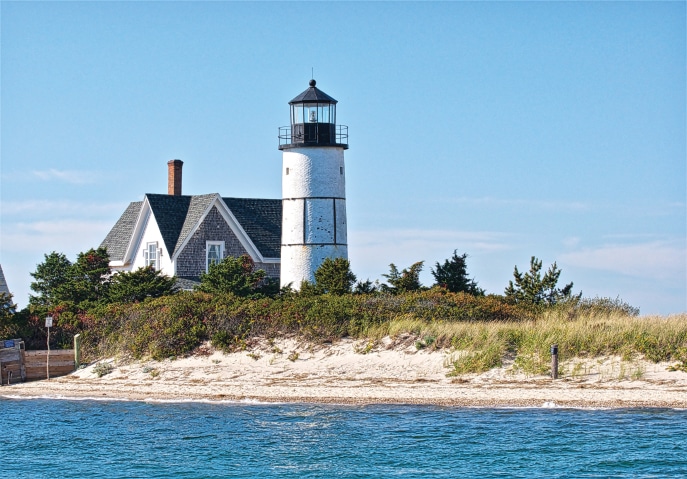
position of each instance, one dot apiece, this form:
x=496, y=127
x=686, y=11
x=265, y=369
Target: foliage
x=50, y=277
x=485, y=327
x=404, y=281
x=334, y=276
x=531, y=288
x=232, y=275
x=453, y=275
x=102, y=368
x=365, y=287
x=128, y=287
x=7, y=306
x=89, y=277
x=8, y=326
x=57, y=280
x=478, y=361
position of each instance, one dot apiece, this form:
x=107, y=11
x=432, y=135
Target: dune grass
x=485, y=344
x=482, y=332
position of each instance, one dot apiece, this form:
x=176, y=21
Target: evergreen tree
x=365, y=287
x=334, y=276
x=232, y=275
x=57, y=280
x=403, y=281
x=532, y=288
x=453, y=275
x=7, y=314
x=7, y=306
x=50, y=278
x=129, y=287
x=89, y=277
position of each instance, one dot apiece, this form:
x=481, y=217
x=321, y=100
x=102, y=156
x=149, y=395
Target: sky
x=503, y=130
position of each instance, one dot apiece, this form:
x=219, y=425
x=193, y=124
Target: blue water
x=43, y=438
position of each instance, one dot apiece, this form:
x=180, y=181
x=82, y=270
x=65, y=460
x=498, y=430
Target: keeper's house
x=182, y=235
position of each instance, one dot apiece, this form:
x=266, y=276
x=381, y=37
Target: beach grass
x=483, y=332
x=485, y=343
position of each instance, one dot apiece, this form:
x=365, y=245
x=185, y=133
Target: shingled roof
x=3, y=283
x=117, y=240
x=261, y=220
x=177, y=215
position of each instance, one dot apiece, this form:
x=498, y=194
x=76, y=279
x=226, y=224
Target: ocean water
x=50, y=438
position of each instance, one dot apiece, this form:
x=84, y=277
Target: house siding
x=191, y=260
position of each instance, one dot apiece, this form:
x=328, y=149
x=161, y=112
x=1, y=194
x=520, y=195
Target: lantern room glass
x=313, y=113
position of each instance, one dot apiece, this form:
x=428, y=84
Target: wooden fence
x=17, y=364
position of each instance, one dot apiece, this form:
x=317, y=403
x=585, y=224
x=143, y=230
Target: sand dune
x=356, y=372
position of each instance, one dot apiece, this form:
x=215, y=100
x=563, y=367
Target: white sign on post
x=48, y=324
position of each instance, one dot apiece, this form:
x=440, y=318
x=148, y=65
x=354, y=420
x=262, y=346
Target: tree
x=50, y=277
x=334, y=276
x=406, y=280
x=60, y=281
x=366, y=287
x=7, y=311
x=7, y=306
x=89, y=278
x=232, y=275
x=532, y=288
x=453, y=275
x=129, y=287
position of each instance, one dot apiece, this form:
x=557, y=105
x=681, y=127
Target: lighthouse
x=313, y=187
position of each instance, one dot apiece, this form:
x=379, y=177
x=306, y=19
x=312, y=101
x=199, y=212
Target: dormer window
x=214, y=253
x=151, y=255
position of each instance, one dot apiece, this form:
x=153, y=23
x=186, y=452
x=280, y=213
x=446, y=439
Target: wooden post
x=77, y=351
x=554, y=361
x=47, y=359
x=48, y=324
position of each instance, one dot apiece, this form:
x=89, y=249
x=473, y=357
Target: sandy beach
x=356, y=372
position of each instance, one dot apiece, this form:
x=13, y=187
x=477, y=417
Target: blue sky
x=502, y=130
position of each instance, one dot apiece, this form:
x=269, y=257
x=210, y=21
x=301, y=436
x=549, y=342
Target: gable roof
x=117, y=240
x=3, y=283
x=177, y=216
x=261, y=220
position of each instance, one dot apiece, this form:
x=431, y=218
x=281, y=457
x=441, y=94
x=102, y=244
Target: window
x=151, y=255
x=214, y=253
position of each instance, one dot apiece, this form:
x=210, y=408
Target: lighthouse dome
x=313, y=95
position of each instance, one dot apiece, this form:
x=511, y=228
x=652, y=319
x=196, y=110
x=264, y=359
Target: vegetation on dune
x=141, y=315
x=176, y=325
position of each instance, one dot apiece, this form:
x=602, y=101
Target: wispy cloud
x=74, y=177
x=67, y=236
x=658, y=260
x=658, y=208
x=544, y=205
x=33, y=208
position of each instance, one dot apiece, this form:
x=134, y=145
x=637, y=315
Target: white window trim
x=158, y=255
x=207, y=252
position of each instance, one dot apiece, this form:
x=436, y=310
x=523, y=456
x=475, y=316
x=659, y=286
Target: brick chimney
x=174, y=177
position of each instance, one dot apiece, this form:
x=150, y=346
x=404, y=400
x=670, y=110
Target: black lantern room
x=313, y=122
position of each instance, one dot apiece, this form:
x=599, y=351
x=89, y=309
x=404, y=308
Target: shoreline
x=351, y=373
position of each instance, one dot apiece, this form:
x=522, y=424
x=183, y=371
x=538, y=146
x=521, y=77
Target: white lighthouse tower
x=313, y=187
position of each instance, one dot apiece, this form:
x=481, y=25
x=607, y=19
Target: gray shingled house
x=3, y=284
x=182, y=235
